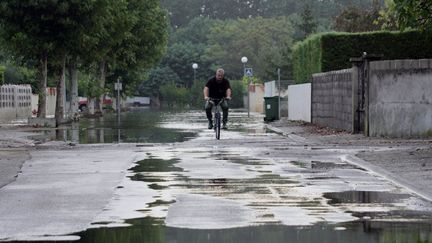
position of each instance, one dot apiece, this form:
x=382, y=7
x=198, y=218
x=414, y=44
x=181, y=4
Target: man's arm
x=206, y=93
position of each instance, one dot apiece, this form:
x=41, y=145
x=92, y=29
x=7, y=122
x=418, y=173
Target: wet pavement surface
x=253, y=185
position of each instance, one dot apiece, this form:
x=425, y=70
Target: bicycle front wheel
x=217, y=125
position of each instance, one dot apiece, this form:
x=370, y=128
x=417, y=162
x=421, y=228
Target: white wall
x=256, y=92
x=51, y=96
x=270, y=89
x=15, y=102
x=299, y=102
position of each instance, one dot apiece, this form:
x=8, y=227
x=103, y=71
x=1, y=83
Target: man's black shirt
x=217, y=89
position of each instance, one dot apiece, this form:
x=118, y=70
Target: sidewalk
x=14, y=151
x=406, y=162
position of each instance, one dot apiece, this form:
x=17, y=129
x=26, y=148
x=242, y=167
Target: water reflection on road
x=151, y=230
x=136, y=126
x=301, y=196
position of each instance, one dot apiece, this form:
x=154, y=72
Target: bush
x=238, y=91
x=332, y=51
x=173, y=96
x=2, y=71
x=196, y=96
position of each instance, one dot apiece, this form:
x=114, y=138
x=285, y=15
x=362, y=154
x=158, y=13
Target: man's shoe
x=224, y=126
x=210, y=125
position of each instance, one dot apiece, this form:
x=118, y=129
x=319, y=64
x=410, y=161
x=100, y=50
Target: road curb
x=295, y=138
x=387, y=175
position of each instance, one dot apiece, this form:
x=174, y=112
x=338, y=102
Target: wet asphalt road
x=251, y=186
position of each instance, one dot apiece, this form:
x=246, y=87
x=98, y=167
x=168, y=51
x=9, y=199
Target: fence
x=15, y=102
x=332, y=99
x=299, y=102
x=380, y=98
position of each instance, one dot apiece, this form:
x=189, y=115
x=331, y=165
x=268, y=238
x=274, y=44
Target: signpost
x=118, y=86
x=248, y=72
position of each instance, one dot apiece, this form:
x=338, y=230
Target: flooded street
x=253, y=185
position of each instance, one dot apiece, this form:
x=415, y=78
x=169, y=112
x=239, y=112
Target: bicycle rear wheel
x=217, y=125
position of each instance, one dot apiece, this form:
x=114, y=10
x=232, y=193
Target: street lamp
x=195, y=67
x=244, y=61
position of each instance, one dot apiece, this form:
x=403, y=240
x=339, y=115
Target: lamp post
x=195, y=67
x=244, y=61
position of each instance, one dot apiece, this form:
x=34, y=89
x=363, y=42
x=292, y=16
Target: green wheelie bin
x=271, y=107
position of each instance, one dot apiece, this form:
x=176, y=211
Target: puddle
x=156, y=165
x=364, y=197
x=153, y=230
x=139, y=126
x=322, y=165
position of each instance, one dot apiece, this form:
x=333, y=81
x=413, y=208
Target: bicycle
x=217, y=115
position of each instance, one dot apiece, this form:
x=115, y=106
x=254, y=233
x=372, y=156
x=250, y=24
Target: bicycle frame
x=217, y=115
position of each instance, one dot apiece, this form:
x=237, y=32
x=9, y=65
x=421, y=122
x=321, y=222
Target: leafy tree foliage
x=414, y=13
x=387, y=19
x=156, y=78
x=180, y=58
x=355, y=19
x=263, y=41
x=120, y=36
x=308, y=24
x=181, y=12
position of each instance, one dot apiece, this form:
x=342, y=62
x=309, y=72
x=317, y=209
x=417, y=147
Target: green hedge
x=2, y=72
x=332, y=51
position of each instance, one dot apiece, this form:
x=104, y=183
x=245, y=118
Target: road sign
x=118, y=86
x=248, y=72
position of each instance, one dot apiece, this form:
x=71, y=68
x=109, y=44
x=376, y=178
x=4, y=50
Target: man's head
x=220, y=74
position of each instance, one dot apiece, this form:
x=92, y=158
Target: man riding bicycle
x=217, y=87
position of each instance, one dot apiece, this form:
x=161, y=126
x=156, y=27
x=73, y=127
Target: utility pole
x=279, y=96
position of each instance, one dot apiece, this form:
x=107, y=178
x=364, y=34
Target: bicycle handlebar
x=213, y=100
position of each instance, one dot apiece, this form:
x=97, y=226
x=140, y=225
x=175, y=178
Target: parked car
x=83, y=103
x=137, y=101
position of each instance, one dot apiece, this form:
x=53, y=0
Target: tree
x=196, y=31
x=263, y=41
x=354, y=19
x=29, y=35
x=387, y=19
x=182, y=12
x=157, y=77
x=307, y=25
x=180, y=57
x=414, y=13
x=134, y=39
x=129, y=34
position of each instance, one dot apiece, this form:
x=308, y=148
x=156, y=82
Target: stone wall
x=332, y=99
x=400, y=98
